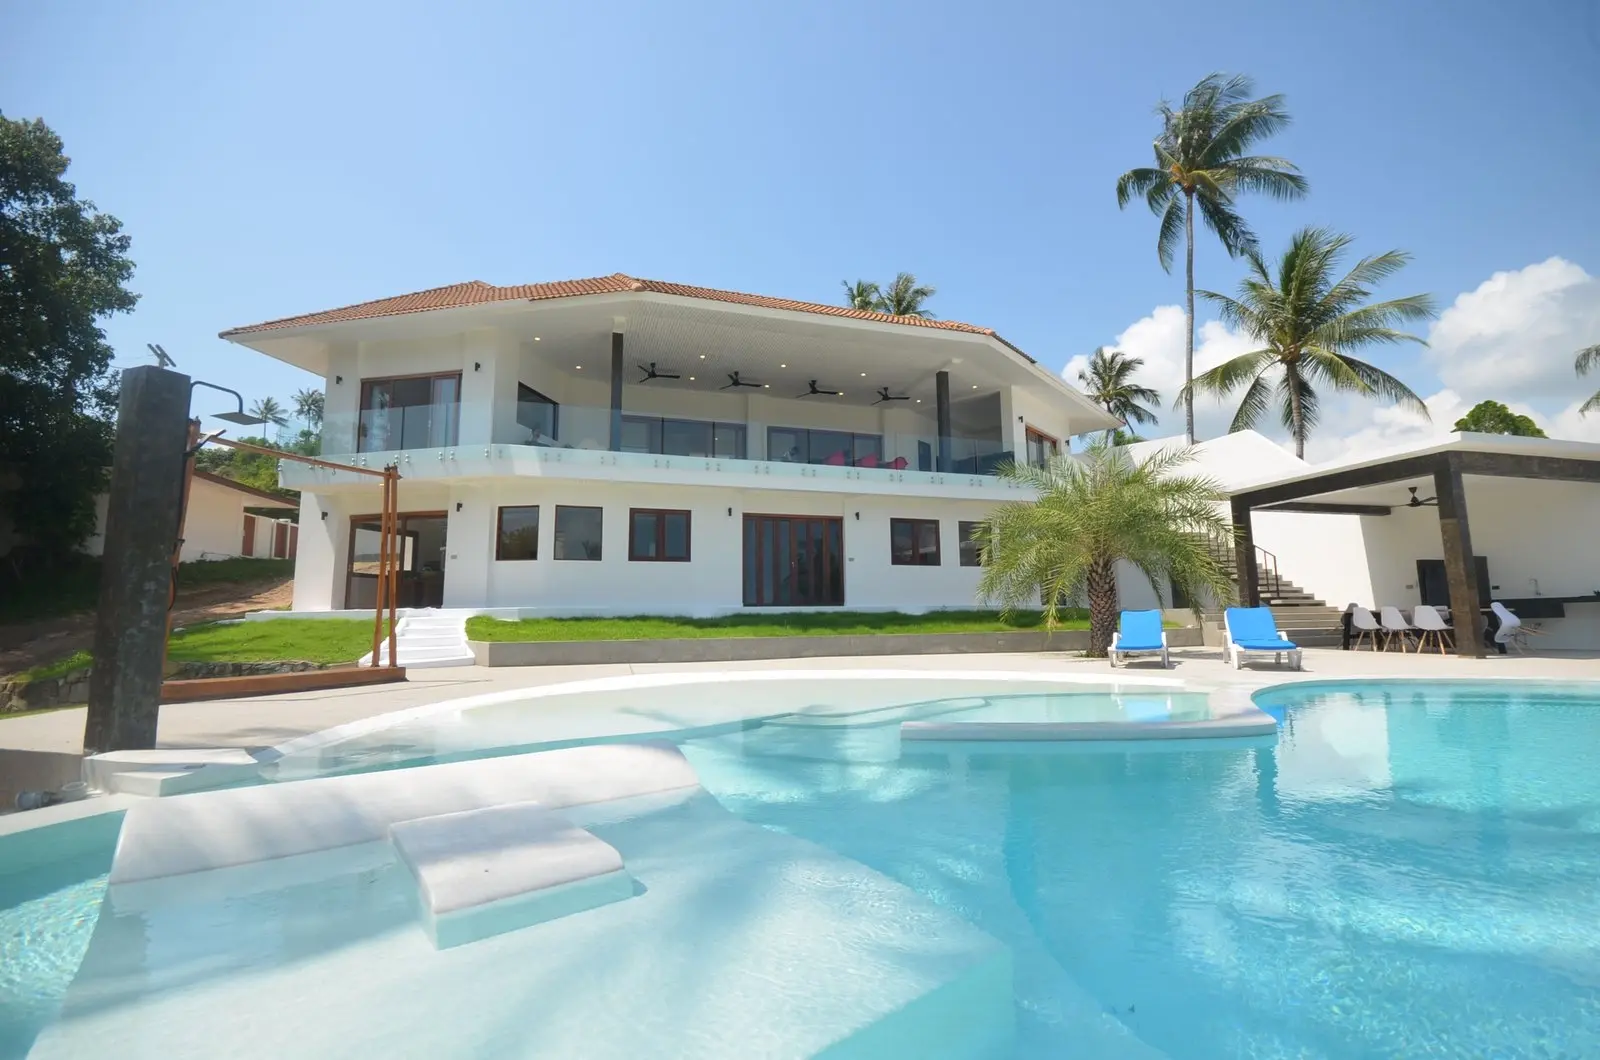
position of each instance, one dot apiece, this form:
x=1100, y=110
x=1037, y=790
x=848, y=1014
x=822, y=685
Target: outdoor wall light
x=324, y=516
x=477, y=366
x=858, y=517
x=338, y=380
x=458, y=506
x=730, y=513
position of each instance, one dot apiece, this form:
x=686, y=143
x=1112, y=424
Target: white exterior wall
x=213, y=525
x=1326, y=555
x=710, y=583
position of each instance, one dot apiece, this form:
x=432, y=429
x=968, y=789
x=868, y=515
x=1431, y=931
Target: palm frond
x=1587, y=360
x=1229, y=226
x=1171, y=235
x=1384, y=385
x=1140, y=181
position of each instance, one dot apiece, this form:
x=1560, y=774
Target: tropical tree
x=308, y=407
x=270, y=412
x=863, y=294
x=1307, y=323
x=1092, y=512
x=1107, y=380
x=1202, y=160
x=64, y=269
x=1588, y=360
x=1491, y=417
x=904, y=297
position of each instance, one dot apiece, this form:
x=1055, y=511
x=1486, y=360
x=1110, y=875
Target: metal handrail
x=1268, y=576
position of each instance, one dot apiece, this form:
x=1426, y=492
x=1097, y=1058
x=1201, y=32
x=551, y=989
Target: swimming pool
x=1411, y=870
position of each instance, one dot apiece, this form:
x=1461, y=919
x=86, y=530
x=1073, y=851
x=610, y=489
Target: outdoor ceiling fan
x=735, y=381
x=651, y=373
x=884, y=395
x=1420, y=502
x=815, y=391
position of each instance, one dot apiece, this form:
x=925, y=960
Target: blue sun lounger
x=1253, y=630
x=1138, y=633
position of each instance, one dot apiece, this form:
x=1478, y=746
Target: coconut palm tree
x=1108, y=382
x=1202, y=160
x=905, y=297
x=1090, y=513
x=269, y=411
x=1307, y=323
x=1588, y=359
x=863, y=294
x=308, y=404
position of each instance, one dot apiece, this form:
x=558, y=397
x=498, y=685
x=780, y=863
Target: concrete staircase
x=427, y=637
x=1308, y=621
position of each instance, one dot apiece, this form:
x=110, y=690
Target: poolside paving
x=265, y=721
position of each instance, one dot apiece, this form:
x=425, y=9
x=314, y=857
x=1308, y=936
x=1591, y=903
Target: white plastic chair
x=1395, y=625
x=1365, y=625
x=1511, y=629
x=1429, y=622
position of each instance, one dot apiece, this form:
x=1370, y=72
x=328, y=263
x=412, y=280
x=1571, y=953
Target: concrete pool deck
x=266, y=721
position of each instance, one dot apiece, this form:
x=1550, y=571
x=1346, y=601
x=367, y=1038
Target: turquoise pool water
x=1413, y=870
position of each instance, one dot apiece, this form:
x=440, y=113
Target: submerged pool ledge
x=1252, y=722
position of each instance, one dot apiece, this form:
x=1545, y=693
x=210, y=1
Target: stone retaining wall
x=730, y=649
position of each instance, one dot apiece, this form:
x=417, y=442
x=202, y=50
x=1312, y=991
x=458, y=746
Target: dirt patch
x=28, y=644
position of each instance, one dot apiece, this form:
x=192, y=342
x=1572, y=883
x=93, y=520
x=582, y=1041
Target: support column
x=142, y=513
x=1244, y=552
x=616, y=391
x=1459, y=569
x=941, y=397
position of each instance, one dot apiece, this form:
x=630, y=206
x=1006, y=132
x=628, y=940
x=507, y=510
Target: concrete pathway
x=268, y=720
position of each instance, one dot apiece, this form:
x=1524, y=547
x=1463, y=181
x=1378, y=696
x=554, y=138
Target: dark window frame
x=555, y=529
x=966, y=534
x=364, y=397
x=500, y=533
x=917, y=555
x=852, y=458
x=656, y=426
x=1049, y=444
x=536, y=398
x=660, y=535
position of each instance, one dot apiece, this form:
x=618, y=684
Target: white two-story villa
x=625, y=446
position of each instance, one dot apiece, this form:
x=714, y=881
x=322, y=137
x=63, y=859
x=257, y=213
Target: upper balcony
x=638, y=379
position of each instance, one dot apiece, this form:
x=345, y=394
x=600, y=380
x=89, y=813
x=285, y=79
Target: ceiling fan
x=651, y=373
x=884, y=395
x=816, y=391
x=1420, y=502
x=735, y=381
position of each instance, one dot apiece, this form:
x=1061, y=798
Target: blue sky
x=272, y=159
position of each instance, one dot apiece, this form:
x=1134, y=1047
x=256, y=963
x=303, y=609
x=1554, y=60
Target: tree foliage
x=64, y=267
x=1588, y=359
x=1308, y=320
x=1108, y=382
x=904, y=297
x=1090, y=513
x=1491, y=417
x=1203, y=160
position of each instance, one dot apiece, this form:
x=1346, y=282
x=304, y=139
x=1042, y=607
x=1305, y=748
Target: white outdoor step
x=441, y=639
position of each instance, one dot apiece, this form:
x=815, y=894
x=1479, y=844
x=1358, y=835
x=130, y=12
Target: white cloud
x=1516, y=334
x=1158, y=340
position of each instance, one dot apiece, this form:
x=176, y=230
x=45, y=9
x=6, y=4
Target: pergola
x=1337, y=491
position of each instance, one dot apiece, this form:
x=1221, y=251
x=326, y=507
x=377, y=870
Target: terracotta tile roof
x=476, y=292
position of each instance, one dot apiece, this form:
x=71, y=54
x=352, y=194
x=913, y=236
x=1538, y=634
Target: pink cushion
x=870, y=460
x=899, y=463
x=835, y=458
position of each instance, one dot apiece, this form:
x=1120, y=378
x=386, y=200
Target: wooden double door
x=793, y=561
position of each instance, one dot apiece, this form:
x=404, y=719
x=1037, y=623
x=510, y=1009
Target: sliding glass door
x=793, y=561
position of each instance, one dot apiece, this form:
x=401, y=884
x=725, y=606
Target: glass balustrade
x=589, y=427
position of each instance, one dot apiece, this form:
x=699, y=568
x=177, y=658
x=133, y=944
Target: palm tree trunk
x=1188, y=347
x=1297, y=423
x=1102, y=586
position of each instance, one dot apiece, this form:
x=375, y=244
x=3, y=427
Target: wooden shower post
x=392, y=475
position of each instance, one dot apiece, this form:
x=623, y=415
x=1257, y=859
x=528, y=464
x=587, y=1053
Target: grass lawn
x=777, y=624
x=316, y=640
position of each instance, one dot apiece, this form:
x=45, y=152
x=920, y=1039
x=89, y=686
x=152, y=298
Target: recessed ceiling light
x=702, y=356
x=536, y=338
x=863, y=375
x=919, y=401
x=766, y=386
x=783, y=366
x=579, y=367
x=974, y=386
x=691, y=379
